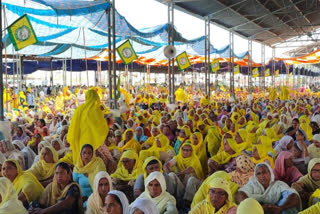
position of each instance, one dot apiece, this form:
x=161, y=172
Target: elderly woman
x=189, y=170
x=85, y=170
x=275, y=196
x=116, y=202
x=9, y=199
x=10, y=152
x=284, y=169
x=26, y=185
x=101, y=186
x=44, y=169
x=219, y=199
x=62, y=195
x=21, y=135
x=143, y=206
x=128, y=142
x=284, y=144
x=309, y=183
x=155, y=189
x=184, y=135
x=139, y=135
x=314, y=148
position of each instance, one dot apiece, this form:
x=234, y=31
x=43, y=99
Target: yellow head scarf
x=250, y=206
x=206, y=206
x=95, y=165
x=192, y=161
x=200, y=149
x=263, y=154
x=122, y=173
x=88, y=125
x=245, y=138
x=147, y=161
x=26, y=183
x=10, y=203
x=213, y=140
x=223, y=157
x=43, y=170
x=131, y=144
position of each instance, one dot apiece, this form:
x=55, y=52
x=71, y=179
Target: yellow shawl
x=26, y=183
x=122, y=173
x=88, y=125
x=92, y=168
x=131, y=144
x=146, y=162
x=192, y=161
x=43, y=170
x=200, y=149
x=224, y=157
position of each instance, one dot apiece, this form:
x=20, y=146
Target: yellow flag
x=126, y=52
x=21, y=33
x=215, y=65
x=255, y=72
x=267, y=72
x=236, y=69
x=183, y=61
x=277, y=73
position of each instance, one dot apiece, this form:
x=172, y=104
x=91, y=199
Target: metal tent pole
x=1, y=70
x=231, y=61
x=114, y=53
x=250, y=65
x=263, y=67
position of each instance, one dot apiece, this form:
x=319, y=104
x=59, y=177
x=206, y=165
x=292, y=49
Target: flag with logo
x=21, y=33
x=267, y=72
x=126, y=52
x=255, y=72
x=215, y=65
x=183, y=61
x=236, y=69
x=277, y=73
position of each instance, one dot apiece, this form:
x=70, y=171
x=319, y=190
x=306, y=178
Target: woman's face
x=238, y=138
x=9, y=171
x=19, y=132
x=186, y=151
x=3, y=147
x=299, y=136
x=155, y=132
x=86, y=155
x=195, y=139
x=128, y=163
x=255, y=153
x=139, y=132
x=47, y=155
x=56, y=145
x=315, y=172
x=182, y=134
x=288, y=162
x=112, y=206
x=290, y=145
x=154, y=188
x=103, y=187
x=226, y=146
x=37, y=139
x=62, y=175
x=263, y=175
x=218, y=197
x=129, y=135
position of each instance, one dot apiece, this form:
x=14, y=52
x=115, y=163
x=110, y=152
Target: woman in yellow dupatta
x=220, y=160
x=128, y=142
x=88, y=125
x=243, y=140
x=86, y=168
x=218, y=201
x=184, y=135
x=62, y=195
x=235, y=117
x=305, y=126
x=260, y=154
x=161, y=149
x=200, y=149
x=26, y=185
x=129, y=167
x=59, y=102
x=213, y=140
x=203, y=190
x=43, y=170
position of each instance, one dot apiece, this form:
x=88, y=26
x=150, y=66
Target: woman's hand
x=36, y=211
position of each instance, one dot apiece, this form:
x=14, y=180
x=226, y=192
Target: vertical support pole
x=1, y=70
x=71, y=68
x=51, y=71
x=273, y=66
x=231, y=61
x=108, y=12
x=250, y=65
x=207, y=55
x=263, y=67
x=114, y=53
x=171, y=42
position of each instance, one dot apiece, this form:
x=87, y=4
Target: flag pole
x=1, y=69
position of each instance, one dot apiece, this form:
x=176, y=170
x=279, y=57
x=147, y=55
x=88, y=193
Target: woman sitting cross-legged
x=275, y=196
x=62, y=196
